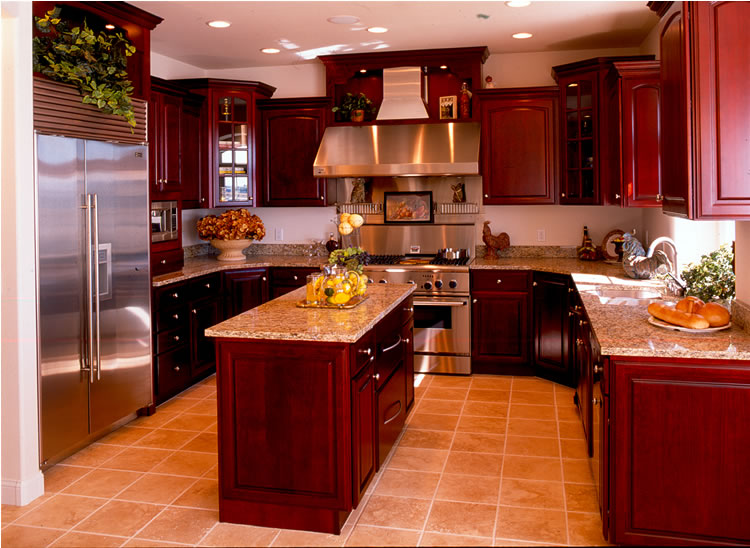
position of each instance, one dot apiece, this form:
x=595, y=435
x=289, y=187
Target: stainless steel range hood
x=399, y=150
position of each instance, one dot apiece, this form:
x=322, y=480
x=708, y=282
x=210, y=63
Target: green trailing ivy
x=713, y=277
x=94, y=62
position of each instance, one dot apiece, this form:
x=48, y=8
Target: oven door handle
x=440, y=303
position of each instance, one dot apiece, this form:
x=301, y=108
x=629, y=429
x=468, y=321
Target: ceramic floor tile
x=531, y=524
x=485, y=409
x=200, y=391
x=102, y=483
x=458, y=394
x=60, y=476
x=481, y=425
x=475, y=464
x=157, y=420
x=186, y=525
x=533, y=468
x=441, y=539
x=574, y=449
x=231, y=534
x=11, y=512
x=398, y=512
x=426, y=421
x=127, y=435
x=203, y=443
x=426, y=439
x=535, y=398
x=166, y=439
x=491, y=382
x=527, y=411
x=532, y=427
x=176, y=405
x=152, y=543
x=468, y=489
x=585, y=529
x=577, y=471
x=581, y=498
x=568, y=413
x=462, y=518
x=478, y=443
x=205, y=407
x=21, y=537
x=137, y=459
x=447, y=381
x=213, y=428
x=533, y=447
x=61, y=512
x=75, y=539
x=532, y=384
x=306, y=538
x=423, y=460
x=532, y=494
x=93, y=455
x=119, y=517
x=190, y=421
x=156, y=489
x=491, y=396
x=366, y=535
x=407, y=483
x=570, y=429
x=186, y=463
x=204, y=493
x=440, y=407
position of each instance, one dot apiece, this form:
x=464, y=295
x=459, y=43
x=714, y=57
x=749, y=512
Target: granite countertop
x=281, y=319
x=206, y=264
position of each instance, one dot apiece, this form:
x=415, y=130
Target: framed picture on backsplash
x=407, y=207
x=448, y=107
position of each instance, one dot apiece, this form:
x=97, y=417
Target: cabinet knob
x=406, y=340
x=474, y=301
x=176, y=368
x=562, y=195
x=203, y=200
x=571, y=314
x=376, y=376
x=534, y=284
x=499, y=281
x=409, y=308
x=660, y=197
x=296, y=278
x=176, y=316
x=264, y=278
x=486, y=195
x=176, y=337
x=249, y=198
x=582, y=323
x=163, y=261
x=322, y=197
x=175, y=295
x=367, y=352
x=579, y=342
x=596, y=401
x=208, y=286
x=570, y=290
x=194, y=311
x=598, y=369
x=372, y=358
x=617, y=196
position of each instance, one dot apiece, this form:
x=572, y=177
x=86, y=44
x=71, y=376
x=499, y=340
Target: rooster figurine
x=494, y=243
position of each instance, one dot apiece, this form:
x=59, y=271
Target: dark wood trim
x=222, y=83
x=660, y=8
x=417, y=56
x=595, y=63
x=293, y=102
x=500, y=93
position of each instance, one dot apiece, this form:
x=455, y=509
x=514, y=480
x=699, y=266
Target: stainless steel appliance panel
x=422, y=239
x=453, y=365
x=442, y=325
x=63, y=361
x=116, y=175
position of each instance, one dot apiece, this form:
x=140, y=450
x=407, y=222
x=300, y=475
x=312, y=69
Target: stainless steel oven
x=442, y=334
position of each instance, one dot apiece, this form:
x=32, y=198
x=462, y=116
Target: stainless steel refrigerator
x=94, y=289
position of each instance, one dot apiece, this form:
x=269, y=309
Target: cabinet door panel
x=500, y=326
x=551, y=329
x=203, y=315
x=363, y=431
x=391, y=401
x=171, y=117
x=245, y=289
x=640, y=134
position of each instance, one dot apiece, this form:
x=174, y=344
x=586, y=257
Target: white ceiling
x=300, y=30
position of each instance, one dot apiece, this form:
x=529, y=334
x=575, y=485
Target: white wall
x=21, y=479
x=742, y=261
x=304, y=80
x=168, y=68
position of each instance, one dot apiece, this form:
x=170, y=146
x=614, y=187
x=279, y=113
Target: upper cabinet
x=443, y=73
x=289, y=136
x=229, y=111
x=633, y=95
x=165, y=133
x=584, y=127
x=520, y=136
x=704, y=119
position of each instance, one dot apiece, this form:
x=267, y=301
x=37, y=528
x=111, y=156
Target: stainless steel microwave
x=164, y=223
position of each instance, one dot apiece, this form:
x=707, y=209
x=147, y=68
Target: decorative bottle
x=332, y=244
x=464, y=101
x=587, y=251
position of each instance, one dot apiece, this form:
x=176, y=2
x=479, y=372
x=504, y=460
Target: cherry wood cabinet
x=704, y=78
x=300, y=424
x=634, y=161
x=165, y=133
x=195, y=189
x=679, y=448
x=244, y=289
x=585, y=127
x=290, y=134
x=520, y=141
x=501, y=322
x=286, y=279
x=552, y=328
x=586, y=361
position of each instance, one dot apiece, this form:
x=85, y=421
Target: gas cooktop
x=416, y=260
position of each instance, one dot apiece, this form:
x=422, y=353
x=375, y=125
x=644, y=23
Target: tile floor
x=483, y=461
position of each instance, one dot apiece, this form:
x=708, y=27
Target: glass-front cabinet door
x=233, y=142
x=580, y=179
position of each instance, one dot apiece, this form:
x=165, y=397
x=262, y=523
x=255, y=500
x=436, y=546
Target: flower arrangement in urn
x=231, y=232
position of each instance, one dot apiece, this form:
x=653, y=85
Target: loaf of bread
x=677, y=317
x=716, y=314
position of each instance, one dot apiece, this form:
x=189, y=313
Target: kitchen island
x=310, y=401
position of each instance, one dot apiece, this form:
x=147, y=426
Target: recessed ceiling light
x=270, y=50
x=517, y=3
x=377, y=30
x=343, y=19
x=522, y=35
x=109, y=26
x=219, y=24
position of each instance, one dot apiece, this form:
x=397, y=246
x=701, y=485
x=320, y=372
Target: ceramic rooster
x=494, y=243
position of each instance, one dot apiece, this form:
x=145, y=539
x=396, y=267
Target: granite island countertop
x=281, y=319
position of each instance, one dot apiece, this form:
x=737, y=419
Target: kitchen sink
x=628, y=297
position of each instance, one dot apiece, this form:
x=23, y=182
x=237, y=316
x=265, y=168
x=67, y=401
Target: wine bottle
x=332, y=244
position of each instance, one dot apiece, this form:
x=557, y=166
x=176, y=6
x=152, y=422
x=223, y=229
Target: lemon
x=356, y=220
x=344, y=218
x=341, y=298
x=345, y=228
x=347, y=287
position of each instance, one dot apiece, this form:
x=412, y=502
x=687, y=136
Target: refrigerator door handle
x=95, y=215
x=89, y=291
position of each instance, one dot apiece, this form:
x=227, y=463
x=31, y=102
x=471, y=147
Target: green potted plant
x=354, y=107
x=94, y=62
x=713, y=277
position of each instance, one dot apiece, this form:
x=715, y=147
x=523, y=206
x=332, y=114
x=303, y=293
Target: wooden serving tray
x=352, y=303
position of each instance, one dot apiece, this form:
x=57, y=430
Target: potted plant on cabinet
x=354, y=107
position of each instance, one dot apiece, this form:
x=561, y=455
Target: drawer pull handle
x=376, y=376
x=571, y=313
x=368, y=351
x=163, y=261
x=394, y=345
x=534, y=284
x=176, y=337
x=194, y=311
x=596, y=401
x=208, y=286
x=499, y=281
x=176, y=316
x=264, y=278
x=175, y=296
x=322, y=197
x=393, y=418
x=570, y=290
x=176, y=368
x=598, y=369
x=486, y=195
x=617, y=196
x=659, y=197
x=475, y=301
x=562, y=195
x=582, y=323
x=409, y=308
x=579, y=342
x=406, y=340
x=296, y=278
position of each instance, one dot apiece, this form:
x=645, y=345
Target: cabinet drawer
x=391, y=402
x=169, y=339
x=363, y=352
x=205, y=287
x=173, y=371
x=500, y=280
x=390, y=346
x=170, y=318
x=291, y=276
x=171, y=296
x=163, y=262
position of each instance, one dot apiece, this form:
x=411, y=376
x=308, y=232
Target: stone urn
x=231, y=250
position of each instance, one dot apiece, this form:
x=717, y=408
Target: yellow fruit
x=356, y=220
x=363, y=278
x=344, y=218
x=345, y=229
x=347, y=287
x=341, y=298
